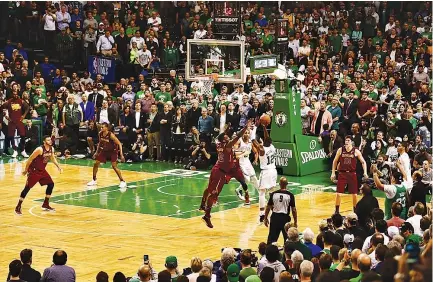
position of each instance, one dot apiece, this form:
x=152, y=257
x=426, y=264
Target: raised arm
x=239, y=135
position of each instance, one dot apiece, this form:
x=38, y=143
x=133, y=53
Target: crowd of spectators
x=364, y=69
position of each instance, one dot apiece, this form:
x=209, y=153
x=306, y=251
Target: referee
x=280, y=202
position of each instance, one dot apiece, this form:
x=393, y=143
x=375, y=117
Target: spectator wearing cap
x=308, y=235
x=415, y=220
x=353, y=226
x=233, y=273
x=365, y=206
x=171, y=267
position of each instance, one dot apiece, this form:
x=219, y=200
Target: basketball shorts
x=19, y=126
x=104, y=156
x=349, y=179
x=40, y=176
x=268, y=178
x=247, y=169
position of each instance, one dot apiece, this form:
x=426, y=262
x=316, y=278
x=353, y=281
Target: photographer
x=200, y=158
x=137, y=150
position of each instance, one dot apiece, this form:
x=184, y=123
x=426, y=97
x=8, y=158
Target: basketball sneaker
x=18, y=210
x=15, y=154
x=261, y=218
x=240, y=193
x=92, y=183
x=207, y=221
x=24, y=154
x=46, y=207
x=122, y=184
x=247, y=198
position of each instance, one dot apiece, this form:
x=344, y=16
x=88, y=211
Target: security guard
x=280, y=201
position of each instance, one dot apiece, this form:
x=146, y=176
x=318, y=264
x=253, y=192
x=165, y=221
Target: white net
x=206, y=89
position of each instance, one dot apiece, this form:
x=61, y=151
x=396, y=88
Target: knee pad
x=50, y=188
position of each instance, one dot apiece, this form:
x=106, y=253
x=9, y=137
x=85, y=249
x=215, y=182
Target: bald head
x=144, y=272
x=354, y=256
x=283, y=182
x=364, y=262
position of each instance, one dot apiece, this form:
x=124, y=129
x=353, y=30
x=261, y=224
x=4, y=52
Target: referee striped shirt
x=281, y=201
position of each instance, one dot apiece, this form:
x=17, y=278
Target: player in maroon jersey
x=36, y=172
x=346, y=159
x=16, y=114
x=108, y=148
x=226, y=168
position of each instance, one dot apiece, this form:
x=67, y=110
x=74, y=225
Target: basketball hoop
x=208, y=82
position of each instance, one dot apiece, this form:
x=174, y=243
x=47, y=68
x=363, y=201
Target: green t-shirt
x=248, y=271
x=248, y=26
x=380, y=56
x=139, y=95
x=333, y=266
x=336, y=43
x=373, y=95
x=378, y=84
x=162, y=97
x=399, y=196
x=377, y=40
x=130, y=31
x=42, y=109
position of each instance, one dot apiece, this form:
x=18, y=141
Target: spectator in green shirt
x=335, y=42
x=162, y=97
x=40, y=103
x=132, y=28
x=247, y=24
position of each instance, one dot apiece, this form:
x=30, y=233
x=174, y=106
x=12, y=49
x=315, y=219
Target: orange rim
x=214, y=76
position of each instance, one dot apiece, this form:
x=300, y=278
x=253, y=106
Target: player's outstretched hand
x=122, y=158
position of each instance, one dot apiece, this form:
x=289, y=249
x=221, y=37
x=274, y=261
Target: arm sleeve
x=390, y=191
x=292, y=201
x=270, y=201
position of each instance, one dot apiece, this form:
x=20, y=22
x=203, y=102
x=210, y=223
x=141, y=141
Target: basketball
x=265, y=120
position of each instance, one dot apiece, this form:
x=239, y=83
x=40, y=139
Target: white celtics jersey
x=267, y=161
x=245, y=147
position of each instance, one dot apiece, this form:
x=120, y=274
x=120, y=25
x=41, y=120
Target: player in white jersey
x=268, y=173
x=243, y=155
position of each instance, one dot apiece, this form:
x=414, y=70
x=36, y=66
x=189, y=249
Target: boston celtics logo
x=280, y=119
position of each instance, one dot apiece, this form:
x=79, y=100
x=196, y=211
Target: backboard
x=207, y=56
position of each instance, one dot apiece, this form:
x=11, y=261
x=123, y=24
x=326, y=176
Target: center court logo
x=280, y=119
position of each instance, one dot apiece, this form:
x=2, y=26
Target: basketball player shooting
x=36, y=172
x=108, y=148
x=226, y=168
x=268, y=173
x=345, y=158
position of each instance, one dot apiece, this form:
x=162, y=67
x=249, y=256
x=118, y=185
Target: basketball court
x=108, y=229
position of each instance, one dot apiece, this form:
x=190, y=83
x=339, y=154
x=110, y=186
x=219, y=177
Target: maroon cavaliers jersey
x=347, y=160
x=226, y=158
x=106, y=144
x=40, y=162
x=15, y=108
